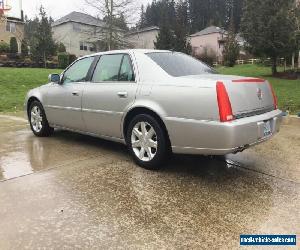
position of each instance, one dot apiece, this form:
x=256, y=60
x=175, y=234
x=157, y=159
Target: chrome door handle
x=75, y=93
x=123, y=94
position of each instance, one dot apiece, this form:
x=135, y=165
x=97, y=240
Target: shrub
x=72, y=58
x=3, y=58
x=4, y=47
x=63, y=60
x=24, y=48
x=13, y=45
x=61, y=48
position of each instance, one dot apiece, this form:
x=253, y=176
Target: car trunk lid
x=249, y=96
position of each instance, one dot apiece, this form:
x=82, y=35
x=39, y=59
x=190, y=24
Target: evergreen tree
x=24, y=48
x=38, y=34
x=165, y=38
x=61, y=48
x=231, y=49
x=267, y=28
x=45, y=43
x=142, y=22
x=181, y=42
x=13, y=45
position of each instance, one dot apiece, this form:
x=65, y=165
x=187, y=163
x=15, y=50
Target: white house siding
x=71, y=34
x=209, y=41
x=143, y=40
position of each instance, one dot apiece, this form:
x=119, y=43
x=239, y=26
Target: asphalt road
x=72, y=191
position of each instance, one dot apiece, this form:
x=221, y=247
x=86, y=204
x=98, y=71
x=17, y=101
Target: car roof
x=143, y=51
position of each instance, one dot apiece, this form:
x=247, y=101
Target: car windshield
x=178, y=64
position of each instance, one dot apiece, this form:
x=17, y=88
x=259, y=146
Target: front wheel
x=147, y=142
x=38, y=120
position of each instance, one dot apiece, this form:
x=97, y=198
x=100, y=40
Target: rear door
x=63, y=104
x=111, y=91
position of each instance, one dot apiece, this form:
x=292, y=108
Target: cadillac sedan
x=156, y=102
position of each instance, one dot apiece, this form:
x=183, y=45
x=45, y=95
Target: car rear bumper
x=215, y=138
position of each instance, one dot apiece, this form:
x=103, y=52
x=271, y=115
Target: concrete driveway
x=72, y=191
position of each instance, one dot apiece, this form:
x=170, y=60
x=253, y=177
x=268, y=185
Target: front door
x=63, y=104
x=111, y=91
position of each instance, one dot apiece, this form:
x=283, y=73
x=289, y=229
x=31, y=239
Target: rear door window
x=116, y=67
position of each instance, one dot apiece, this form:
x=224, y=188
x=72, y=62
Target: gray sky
x=59, y=8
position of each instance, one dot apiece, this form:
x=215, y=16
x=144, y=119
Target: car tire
x=38, y=120
x=147, y=142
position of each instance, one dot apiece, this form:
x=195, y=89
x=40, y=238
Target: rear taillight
x=224, y=104
x=274, y=96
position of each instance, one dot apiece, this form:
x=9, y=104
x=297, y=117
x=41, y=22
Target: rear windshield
x=179, y=64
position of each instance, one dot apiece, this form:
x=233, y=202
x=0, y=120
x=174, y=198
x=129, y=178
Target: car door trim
x=102, y=112
x=64, y=108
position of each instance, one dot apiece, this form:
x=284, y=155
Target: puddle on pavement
x=21, y=153
x=15, y=165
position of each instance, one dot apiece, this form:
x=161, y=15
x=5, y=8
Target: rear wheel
x=38, y=120
x=147, y=142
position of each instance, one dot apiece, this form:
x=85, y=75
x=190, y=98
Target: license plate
x=267, y=128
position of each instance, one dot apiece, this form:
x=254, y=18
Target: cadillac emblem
x=259, y=94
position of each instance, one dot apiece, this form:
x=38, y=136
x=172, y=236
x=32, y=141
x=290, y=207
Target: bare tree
x=110, y=36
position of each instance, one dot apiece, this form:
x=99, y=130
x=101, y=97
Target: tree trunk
x=45, y=61
x=293, y=61
x=111, y=25
x=299, y=60
x=274, y=65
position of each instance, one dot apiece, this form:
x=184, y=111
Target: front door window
x=78, y=71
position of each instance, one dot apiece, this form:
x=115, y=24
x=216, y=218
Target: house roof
x=143, y=30
x=209, y=30
x=79, y=17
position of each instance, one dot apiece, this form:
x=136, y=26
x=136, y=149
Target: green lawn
x=287, y=91
x=15, y=82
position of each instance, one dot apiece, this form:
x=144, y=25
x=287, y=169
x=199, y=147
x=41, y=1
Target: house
x=13, y=24
x=78, y=32
x=143, y=38
x=211, y=39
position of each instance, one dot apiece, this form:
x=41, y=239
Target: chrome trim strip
x=86, y=110
x=63, y=108
x=253, y=113
x=187, y=119
x=102, y=112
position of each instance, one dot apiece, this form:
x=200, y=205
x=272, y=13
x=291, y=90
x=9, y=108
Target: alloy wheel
x=144, y=141
x=36, y=119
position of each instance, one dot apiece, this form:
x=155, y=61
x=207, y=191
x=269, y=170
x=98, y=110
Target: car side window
x=126, y=71
x=114, y=68
x=78, y=71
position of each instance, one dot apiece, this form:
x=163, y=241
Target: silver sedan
x=156, y=102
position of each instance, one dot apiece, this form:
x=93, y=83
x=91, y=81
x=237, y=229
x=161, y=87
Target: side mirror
x=55, y=78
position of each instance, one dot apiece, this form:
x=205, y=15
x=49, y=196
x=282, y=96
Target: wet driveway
x=72, y=191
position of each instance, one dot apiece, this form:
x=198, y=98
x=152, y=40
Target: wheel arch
x=143, y=110
x=31, y=100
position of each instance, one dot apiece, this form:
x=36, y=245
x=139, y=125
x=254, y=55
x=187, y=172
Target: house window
x=11, y=27
x=76, y=27
x=83, y=46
